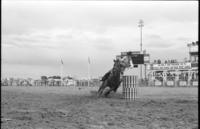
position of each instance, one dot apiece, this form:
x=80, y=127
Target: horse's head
x=121, y=64
x=117, y=63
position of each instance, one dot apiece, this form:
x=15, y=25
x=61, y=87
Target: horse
x=113, y=78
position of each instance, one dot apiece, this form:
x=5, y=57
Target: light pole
x=61, y=73
x=88, y=75
x=141, y=24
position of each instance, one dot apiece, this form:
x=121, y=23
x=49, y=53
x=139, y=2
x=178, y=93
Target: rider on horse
x=113, y=77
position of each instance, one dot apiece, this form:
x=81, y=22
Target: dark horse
x=113, y=78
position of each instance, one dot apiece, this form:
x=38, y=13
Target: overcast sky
x=36, y=35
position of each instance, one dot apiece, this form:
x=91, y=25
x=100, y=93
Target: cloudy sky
x=37, y=34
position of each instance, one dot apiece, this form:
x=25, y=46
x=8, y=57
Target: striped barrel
x=129, y=89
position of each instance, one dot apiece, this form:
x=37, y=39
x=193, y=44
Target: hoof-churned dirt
x=80, y=108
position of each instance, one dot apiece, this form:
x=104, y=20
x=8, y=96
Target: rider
x=124, y=63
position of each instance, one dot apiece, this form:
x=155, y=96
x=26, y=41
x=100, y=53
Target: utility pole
x=145, y=66
x=61, y=75
x=141, y=24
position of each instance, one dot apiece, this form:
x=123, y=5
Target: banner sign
x=182, y=83
x=172, y=66
x=170, y=83
x=195, y=83
x=158, y=83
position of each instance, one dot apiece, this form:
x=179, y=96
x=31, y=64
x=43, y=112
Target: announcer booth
x=173, y=74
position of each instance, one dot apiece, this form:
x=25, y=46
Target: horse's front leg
x=101, y=89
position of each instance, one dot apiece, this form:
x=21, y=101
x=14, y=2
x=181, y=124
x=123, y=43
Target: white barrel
x=129, y=89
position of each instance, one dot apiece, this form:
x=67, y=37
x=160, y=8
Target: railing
x=169, y=83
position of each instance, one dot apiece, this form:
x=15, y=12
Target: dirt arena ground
x=79, y=108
